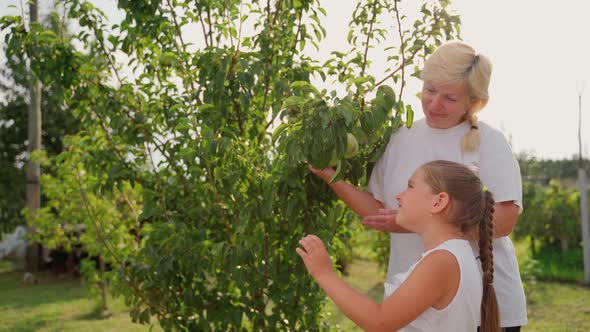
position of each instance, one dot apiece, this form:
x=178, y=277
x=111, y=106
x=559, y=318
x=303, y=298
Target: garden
x=173, y=167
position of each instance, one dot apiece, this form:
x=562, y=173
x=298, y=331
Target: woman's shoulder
x=404, y=131
x=419, y=124
x=489, y=132
x=496, y=155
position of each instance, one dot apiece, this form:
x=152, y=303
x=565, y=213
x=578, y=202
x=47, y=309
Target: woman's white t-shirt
x=463, y=313
x=408, y=149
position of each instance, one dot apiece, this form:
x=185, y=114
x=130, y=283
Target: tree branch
x=408, y=59
x=101, y=238
x=402, y=47
x=181, y=49
x=367, y=42
x=210, y=24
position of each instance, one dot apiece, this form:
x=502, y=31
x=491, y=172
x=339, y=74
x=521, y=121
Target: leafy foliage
x=542, y=171
x=57, y=122
x=77, y=215
x=215, y=133
x=550, y=216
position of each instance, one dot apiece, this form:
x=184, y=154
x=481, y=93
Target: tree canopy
x=215, y=134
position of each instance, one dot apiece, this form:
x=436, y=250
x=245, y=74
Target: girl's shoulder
x=456, y=247
x=438, y=262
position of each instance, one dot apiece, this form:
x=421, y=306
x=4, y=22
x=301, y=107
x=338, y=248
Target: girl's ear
x=440, y=202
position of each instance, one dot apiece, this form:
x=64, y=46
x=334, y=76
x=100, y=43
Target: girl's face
x=415, y=202
x=445, y=104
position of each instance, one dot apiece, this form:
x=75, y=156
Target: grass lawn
x=62, y=304
x=558, y=307
x=55, y=304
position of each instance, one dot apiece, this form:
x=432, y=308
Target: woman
x=455, y=88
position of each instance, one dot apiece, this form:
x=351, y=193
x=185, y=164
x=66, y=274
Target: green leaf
x=144, y=317
x=294, y=101
x=340, y=171
x=304, y=88
x=346, y=112
x=279, y=131
x=409, y=116
x=325, y=118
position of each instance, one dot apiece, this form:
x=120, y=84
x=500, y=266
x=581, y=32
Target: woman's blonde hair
x=457, y=61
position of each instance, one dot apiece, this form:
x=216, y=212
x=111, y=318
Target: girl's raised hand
x=315, y=256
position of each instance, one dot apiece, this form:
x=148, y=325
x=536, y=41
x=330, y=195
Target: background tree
x=550, y=216
x=216, y=133
x=541, y=171
x=94, y=229
x=58, y=121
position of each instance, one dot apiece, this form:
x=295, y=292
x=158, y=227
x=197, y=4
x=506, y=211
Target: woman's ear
x=440, y=202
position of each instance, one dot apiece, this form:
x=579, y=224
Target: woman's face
x=445, y=104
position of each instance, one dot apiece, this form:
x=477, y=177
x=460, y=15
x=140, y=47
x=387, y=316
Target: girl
x=446, y=204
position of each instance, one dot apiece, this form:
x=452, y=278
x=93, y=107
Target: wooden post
x=33, y=254
x=583, y=196
x=585, y=228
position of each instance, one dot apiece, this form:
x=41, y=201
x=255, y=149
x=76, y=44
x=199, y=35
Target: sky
x=541, y=56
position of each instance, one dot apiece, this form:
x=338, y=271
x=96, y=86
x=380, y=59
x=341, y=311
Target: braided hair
x=490, y=317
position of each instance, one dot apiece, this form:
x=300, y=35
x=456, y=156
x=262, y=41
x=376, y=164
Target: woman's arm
x=500, y=172
x=429, y=284
x=362, y=203
x=505, y=218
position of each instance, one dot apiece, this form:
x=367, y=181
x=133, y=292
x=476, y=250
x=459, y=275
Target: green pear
x=352, y=146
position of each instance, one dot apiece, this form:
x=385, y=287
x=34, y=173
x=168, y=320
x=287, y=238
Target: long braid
x=470, y=141
x=490, y=317
x=478, y=71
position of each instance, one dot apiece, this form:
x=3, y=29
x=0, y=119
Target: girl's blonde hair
x=471, y=209
x=458, y=62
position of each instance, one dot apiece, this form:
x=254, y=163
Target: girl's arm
x=431, y=283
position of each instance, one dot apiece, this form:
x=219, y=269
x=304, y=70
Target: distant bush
x=550, y=217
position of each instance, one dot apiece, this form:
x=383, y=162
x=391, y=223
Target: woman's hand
x=325, y=174
x=315, y=256
x=384, y=221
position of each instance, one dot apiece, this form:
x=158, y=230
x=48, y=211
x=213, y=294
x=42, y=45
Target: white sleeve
x=499, y=169
x=377, y=179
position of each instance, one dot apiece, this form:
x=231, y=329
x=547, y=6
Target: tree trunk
x=104, y=289
x=563, y=240
x=33, y=261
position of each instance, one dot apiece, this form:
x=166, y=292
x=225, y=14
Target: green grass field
x=55, y=304
x=62, y=304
